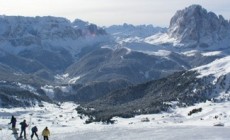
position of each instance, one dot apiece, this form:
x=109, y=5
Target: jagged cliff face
x=35, y=28
x=195, y=26
x=88, y=29
x=45, y=27
x=44, y=45
x=44, y=31
x=129, y=30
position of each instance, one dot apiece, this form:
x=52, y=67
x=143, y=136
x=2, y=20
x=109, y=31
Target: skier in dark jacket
x=34, y=132
x=13, y=122
x=23, y=128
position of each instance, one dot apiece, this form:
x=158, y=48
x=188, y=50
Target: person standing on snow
x=13, y=122
x=23, y=128
x=34, y=132
x=46, y=133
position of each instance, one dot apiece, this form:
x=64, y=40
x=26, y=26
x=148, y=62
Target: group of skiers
x=24, y=125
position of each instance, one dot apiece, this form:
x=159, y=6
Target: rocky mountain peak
x=88, y=28
x=33, y=31
x=128, y=30
x=78, y=23
x=196, y=26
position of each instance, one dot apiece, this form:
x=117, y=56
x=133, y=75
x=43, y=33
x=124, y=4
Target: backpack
x=34, y=129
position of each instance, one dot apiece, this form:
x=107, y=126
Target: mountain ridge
x=81, y=62
x=186, y=88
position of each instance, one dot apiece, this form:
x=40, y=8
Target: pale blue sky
x=108, y=12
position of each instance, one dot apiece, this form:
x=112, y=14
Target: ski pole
x=30, y=122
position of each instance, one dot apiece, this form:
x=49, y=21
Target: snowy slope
x=64, y=123
x=217, y=73
x=217, y=68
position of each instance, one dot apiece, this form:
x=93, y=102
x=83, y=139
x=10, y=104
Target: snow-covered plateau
x=66, y=124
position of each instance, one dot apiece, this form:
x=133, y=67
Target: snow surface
x=65, y=124
x=163, y=53
x=66, y=79
x=49, y=90
x=216, y=68
x=162, y=38
x=213, y=53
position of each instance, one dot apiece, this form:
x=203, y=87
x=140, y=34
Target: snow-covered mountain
x=127, y=35
x=37, y=29
x=19, y=35
x=45, y=45
x=26, y=32
x=88, y=29
x=35, y=49
x=129, y=30
x=205, y=83
x=79, y=61
x=195, y=27
x=181, y=72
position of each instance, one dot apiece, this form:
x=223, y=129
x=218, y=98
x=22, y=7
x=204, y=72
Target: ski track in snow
x=65, y=124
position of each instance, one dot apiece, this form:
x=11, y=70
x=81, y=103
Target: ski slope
x=65, y=124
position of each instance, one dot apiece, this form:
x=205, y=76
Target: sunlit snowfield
x=65, y=124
